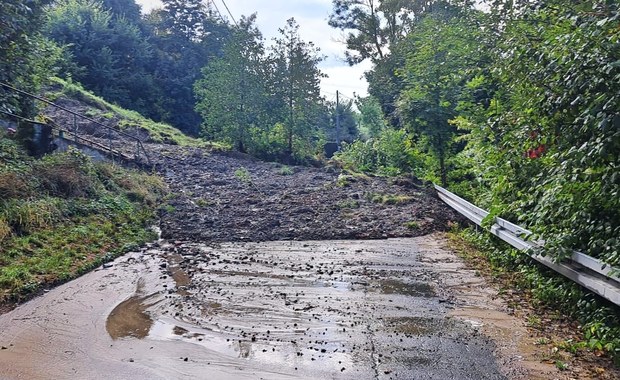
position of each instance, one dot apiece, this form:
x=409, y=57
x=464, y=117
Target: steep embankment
x=63, y=215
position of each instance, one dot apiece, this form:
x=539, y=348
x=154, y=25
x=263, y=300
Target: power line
x=231, y=16
x=217, y=9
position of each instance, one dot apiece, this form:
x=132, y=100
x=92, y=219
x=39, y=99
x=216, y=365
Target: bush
x=66, y=174
x=390, y=153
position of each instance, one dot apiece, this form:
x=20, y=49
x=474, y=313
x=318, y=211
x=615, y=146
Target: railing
x=105, y=134
x=586, y=271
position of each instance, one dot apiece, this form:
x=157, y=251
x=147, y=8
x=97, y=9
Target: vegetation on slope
x=64, y=214
x=123, y=118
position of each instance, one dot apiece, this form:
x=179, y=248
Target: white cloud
x=311, y=15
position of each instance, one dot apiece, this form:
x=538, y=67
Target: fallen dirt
x=231, y=197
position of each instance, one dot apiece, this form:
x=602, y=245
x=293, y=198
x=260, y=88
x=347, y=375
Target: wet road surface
x=380, y=309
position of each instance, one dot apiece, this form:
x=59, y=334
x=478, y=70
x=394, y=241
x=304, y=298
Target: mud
x=231, y=197
x=275, y=310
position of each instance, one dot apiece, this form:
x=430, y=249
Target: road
x=403, y=308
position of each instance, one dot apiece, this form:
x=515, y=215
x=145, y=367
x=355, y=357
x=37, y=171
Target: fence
x=586, y=271
x=101, y=141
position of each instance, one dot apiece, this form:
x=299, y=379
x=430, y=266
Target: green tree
x=111, y=55
x=295, y=83
x=231, y=96
x=443, y=49
x=26, y=58
x=371, y=116
x=185, y=36
x=557, y=124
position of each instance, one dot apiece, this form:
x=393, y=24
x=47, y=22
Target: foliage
x=559, y=127
x=231, y=95
x=443, y=56
x=390, y=153
x=295, y=83
x=26, y=58
x=111, y=55
x=372, y=121
x=373, y=26
x=64, y=214
x=264, y=103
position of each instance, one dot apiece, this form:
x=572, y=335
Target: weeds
x=286, y=170
x=389, y=199
x=243, y=175
x=63, y=215
x=349, y=203
x=412, y=225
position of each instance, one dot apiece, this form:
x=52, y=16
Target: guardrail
x=586, y=271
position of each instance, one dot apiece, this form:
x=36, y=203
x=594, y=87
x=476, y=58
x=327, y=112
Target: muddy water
x=281, y=310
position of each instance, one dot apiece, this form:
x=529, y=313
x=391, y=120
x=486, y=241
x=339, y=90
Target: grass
x=412, y=225
x=348, y=204
x=243, y=175
x=69, y=216
x=286, y=170
x=389, y=199
x=159, y=132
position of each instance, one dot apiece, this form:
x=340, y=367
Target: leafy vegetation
x=63, y=215
x=264, y=103
x=515, y=108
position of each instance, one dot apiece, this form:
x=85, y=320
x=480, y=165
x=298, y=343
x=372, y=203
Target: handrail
x=140, y=147
x=587, y=271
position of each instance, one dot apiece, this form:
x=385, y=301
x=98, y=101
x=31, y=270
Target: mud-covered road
x=380, y=309
x=250, y=283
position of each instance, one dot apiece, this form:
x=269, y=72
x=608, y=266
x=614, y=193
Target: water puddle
x=416, y=326
x=130, y=319
x=180, y=277
x=414, y=289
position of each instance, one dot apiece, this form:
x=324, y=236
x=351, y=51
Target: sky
x=311, y=15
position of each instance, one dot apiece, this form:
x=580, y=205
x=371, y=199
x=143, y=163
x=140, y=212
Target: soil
x=232, y=197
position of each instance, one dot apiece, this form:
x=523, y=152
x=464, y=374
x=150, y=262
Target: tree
x=371, y=117
x=557, y=120
x=26, y=58
x=127, y=9
x=231, y=96
x=111, y=55
x=295, y=82
x=185, y=36
x=375, y=26
x=442, y=51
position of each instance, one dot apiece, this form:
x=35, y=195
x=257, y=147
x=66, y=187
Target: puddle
x=130, y=319
x=180, y=277
x=414, y=289
x=415, y=325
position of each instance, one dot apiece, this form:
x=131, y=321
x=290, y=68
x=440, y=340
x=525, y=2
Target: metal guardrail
x=107, y=130
x=586, y=271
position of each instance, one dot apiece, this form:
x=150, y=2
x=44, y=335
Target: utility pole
x=338, y=119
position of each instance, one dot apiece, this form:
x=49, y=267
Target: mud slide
x=380, y=309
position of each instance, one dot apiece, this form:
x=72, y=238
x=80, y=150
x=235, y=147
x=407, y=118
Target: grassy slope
x=63, y=215
x=159, y=132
